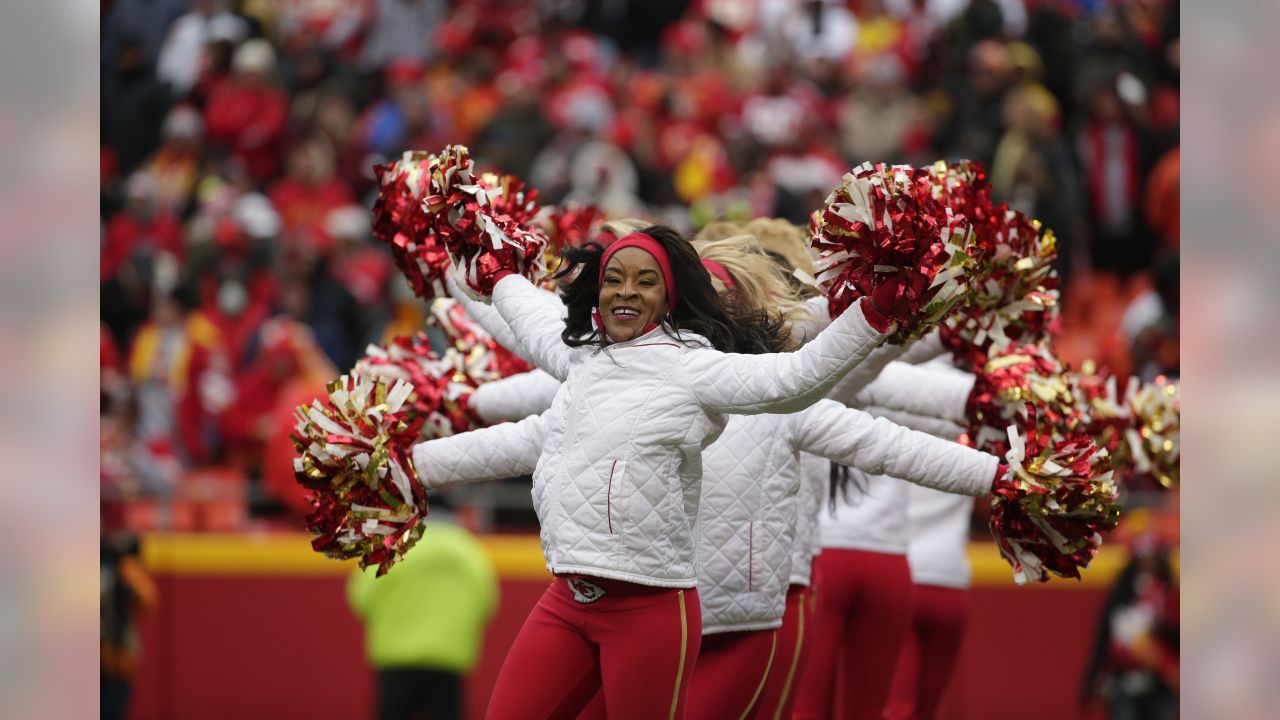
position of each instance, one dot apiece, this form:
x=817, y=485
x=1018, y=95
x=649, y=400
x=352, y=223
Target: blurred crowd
x=238, y=141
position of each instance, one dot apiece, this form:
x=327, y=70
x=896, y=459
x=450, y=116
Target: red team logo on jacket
x=585, y=592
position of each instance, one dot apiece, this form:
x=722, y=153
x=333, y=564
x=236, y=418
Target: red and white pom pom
x=354, y=459
x=485, y=222
x=441, y=385
x=1014, y=295
x=1052, y=506
x=883, y=235
x=399, y=223
x=484, y=360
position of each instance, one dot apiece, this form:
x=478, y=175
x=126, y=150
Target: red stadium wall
x=258, y=627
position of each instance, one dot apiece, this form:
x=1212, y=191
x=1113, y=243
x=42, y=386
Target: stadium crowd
x=238, y=141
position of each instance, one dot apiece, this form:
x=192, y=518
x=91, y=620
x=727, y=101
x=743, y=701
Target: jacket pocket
x=613, y=497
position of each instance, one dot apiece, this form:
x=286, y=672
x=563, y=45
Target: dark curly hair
x=699, y=308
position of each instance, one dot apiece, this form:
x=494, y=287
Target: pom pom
x=1014, y=288
x=482, y=358
x=354, y=458
x=1050, y=509
x=398, y=222
x=1154, y=440
x=884, y=235
x=1003, y=387
x=485, y=222
x=440, y=384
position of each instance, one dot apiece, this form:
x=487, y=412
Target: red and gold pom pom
x=1051, y=508
x=485, y=222
x=354, y=459
x=1002, y=389
x=1155, y=438
x=441, y=385
x=481, y=357
x=398, y=222
x=883, y=234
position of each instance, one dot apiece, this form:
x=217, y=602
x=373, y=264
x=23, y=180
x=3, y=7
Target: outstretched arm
x=781, y=382
x=919, y=390
x=514, y=398
x=493, y=453
x=534, y=323
x=880, y=447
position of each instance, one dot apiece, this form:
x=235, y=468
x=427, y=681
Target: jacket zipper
x=608, y=498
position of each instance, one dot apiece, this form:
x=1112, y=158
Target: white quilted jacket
x=752, y=477
x=815, y=472
x=617, y=481
x=872, y=516
x=937, y=522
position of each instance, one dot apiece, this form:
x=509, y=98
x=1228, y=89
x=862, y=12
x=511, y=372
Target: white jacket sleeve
x=781, y=382
x=846, y=388
x=919, y=391
x=536, y=327
x=486, y=317
x=927, y=348
x=819, y=317
x=935, y=426
x=490, y=320
x=879, y=447
x=514, y=398
x=493, y=453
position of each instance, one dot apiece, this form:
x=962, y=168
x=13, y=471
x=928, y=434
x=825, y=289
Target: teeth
x=626, y=311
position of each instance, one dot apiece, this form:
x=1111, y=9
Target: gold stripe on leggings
x=763, y=680
x=684, y=648
x=795, y=661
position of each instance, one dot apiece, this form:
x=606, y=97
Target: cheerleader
x=747, y=518
x=864, y=612
x=616, y=463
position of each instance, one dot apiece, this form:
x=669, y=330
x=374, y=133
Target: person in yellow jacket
x=425, y=620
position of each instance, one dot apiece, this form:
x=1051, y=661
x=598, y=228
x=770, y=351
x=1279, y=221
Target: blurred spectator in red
x=246, y=113
x=1110, y=150
x=287, y=352
x=134, y=238
x=134, y=106
x=170, y=357
x=362, y=268
x=307, y=193
x=176, y=165
x=184, y=55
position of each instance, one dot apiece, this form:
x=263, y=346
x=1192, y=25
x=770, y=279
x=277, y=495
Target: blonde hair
x=718, y=230
x=777, y=236
x=623, y=226
x=759, y=282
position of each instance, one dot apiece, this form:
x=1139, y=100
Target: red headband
x=718, y=270
x=651, y=246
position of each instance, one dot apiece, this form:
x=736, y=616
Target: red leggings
x=795, y=640
x=636, y=644
x=938, y=618
x=860, y=624
x=731, y=674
